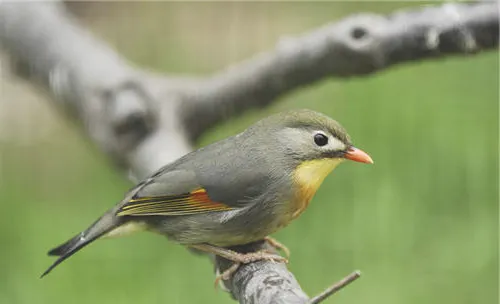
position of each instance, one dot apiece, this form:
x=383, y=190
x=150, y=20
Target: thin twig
x=336, y=287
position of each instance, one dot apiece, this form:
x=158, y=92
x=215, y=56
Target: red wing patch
x=194, y=202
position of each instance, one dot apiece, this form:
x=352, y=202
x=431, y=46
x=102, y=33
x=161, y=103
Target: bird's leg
x=243, y=258
x=238, y=258
x=279, y=246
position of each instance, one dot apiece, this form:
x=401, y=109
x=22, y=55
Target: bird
x=232, y=192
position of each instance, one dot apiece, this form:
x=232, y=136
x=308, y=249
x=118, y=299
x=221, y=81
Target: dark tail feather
x=68, y=249
x=99, y=228
x=62, y=249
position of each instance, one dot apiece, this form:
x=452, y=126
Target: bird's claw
x=261, y=255
x=240, y=258
x=248, y=258
x=279, y=246
x=226, y=275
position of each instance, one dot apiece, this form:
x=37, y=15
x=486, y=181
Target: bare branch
x=262, y=282
x=143, y=121
x=336, y=287
x=81, y=72
x=358, y=45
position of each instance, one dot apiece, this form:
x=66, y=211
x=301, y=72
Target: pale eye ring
x=320, y=139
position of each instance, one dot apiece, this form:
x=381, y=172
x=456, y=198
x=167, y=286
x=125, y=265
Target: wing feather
x=194, y=202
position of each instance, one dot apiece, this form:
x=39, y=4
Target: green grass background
x=421, y=223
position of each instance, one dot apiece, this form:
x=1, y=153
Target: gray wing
x=171, y=193
x=217, y=177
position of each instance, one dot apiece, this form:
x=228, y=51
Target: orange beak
x=358, y=155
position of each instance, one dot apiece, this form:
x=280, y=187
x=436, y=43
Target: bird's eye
x=320, y=139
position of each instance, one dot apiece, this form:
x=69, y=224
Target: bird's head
x=306, y=135
x=311, y=144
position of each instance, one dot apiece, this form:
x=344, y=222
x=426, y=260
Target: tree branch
x=143, y=121
x=358, y=45
x=262, y=281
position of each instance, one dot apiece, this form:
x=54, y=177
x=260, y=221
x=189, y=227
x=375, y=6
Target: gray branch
x=143, y=121
x=355, y=46
x=262, y=282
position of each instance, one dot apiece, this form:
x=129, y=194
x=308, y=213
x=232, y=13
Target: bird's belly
x=238, y=230
x=256, y=230
x=240, y=235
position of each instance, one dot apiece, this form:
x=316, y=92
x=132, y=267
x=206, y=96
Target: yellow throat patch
x=308, y=177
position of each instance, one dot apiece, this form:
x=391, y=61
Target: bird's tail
x=102, y=226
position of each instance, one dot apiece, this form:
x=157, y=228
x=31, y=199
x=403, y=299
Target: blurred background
x=421, y=224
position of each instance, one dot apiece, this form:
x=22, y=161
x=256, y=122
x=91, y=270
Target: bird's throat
x=308, y=177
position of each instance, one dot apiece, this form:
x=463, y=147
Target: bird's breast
x=308, y=177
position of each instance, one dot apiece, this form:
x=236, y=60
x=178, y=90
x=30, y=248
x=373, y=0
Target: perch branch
x=143, y=121
x=262, y=281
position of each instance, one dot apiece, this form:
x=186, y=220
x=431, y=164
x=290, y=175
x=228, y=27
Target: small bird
x=233, y=192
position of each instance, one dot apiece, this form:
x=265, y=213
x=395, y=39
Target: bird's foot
x=279, y=246
x=238, y=258
x=246, y=258
x=226, y=275
x=243, y=258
